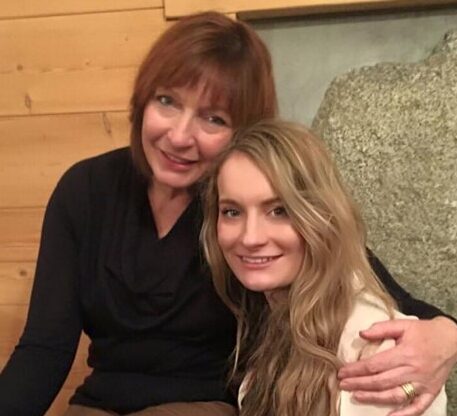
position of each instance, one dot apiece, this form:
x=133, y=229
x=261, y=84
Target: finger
x=416, y=407
x=378, y=363
x=376, y=383
x=395, y=396
x=386, y=329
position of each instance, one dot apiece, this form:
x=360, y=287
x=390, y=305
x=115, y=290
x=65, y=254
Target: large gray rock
x=393, y=131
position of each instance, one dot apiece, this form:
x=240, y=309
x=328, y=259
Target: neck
x=167, y=205
x=274, y=297
x=162, y=195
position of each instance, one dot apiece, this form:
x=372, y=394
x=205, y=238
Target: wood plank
x=26, y=8
x=69, y=64
x=16, y=281
x=88, y=41
x=20, y=235
x=35, y=151
x=270, y=8
x=12, y=320
x=66, y=91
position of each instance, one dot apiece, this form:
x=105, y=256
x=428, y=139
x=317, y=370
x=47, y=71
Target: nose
x=181, y=132
x=254, y=232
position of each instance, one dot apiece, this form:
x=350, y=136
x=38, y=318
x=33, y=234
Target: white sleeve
x=353, y=348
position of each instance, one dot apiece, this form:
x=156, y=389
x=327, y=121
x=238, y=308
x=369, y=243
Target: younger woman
x=286, y=246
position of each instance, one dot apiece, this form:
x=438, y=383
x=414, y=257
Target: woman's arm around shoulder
x=353, y=348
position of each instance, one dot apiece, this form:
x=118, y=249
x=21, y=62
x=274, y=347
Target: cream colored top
x=352, y=347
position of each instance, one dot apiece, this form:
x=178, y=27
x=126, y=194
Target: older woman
x=119, y=256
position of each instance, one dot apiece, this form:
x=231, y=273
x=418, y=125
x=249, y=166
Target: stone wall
x=393, y=130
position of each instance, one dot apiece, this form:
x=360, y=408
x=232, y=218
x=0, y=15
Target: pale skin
x=182, y=133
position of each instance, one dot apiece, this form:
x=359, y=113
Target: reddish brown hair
x=226, y=55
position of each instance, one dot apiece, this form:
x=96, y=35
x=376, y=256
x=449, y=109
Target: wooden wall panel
x=66, y=91
x=26, y=8
x=20, y=234
x=16, y=281
x=96, y=40
x=12, y=319
x=269, y=8
x=77, y=63
x=35, y=151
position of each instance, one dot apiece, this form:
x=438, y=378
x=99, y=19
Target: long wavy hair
x=289, y=352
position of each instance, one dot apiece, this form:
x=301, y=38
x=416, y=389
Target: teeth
x=256, y=260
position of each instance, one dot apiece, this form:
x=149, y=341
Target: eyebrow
x=216, y=107
x=266, y=202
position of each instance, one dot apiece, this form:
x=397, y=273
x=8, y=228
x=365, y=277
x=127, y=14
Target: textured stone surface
x=393, y=130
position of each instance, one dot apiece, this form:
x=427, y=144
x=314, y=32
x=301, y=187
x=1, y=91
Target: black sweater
x=158, y=331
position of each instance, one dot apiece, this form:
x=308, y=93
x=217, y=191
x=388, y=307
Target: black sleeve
x=406, y=303
x=42, y=359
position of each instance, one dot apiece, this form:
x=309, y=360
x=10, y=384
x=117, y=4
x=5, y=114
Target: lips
x=176, y=159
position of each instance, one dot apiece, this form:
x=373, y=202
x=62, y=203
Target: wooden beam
x=272, y=8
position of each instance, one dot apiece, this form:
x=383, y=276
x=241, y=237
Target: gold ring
x=409, y=390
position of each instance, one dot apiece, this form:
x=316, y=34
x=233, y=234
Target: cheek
x=152, y=122
x=296, y=246
x=211, y=146
x=226, y=236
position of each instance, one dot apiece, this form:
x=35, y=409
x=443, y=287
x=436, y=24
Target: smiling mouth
x=258, y=259
x=176, y=159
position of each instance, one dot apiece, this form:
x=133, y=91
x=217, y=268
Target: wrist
x=449, y=328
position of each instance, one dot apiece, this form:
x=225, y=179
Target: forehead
x=201, y=94
x=217, y=82
x=242, y=180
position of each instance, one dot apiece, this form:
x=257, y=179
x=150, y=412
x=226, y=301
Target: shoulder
x=367, y=310
x=105, y=164
x=90, y=180
x=95, y=173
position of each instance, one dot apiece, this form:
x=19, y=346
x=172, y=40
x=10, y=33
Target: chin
x=256, y=286
x=174, y=182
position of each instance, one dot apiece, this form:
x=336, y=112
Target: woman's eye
x=164, y=99
x=279, y=212
x=219, y=121
x=230, y=212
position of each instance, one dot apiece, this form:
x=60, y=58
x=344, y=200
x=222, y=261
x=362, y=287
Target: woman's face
x=181, y=134
x=255, y=234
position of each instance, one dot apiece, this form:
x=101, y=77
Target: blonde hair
x=290, y=351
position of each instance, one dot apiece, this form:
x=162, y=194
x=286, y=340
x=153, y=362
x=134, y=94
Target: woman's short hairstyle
x=227, y=56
